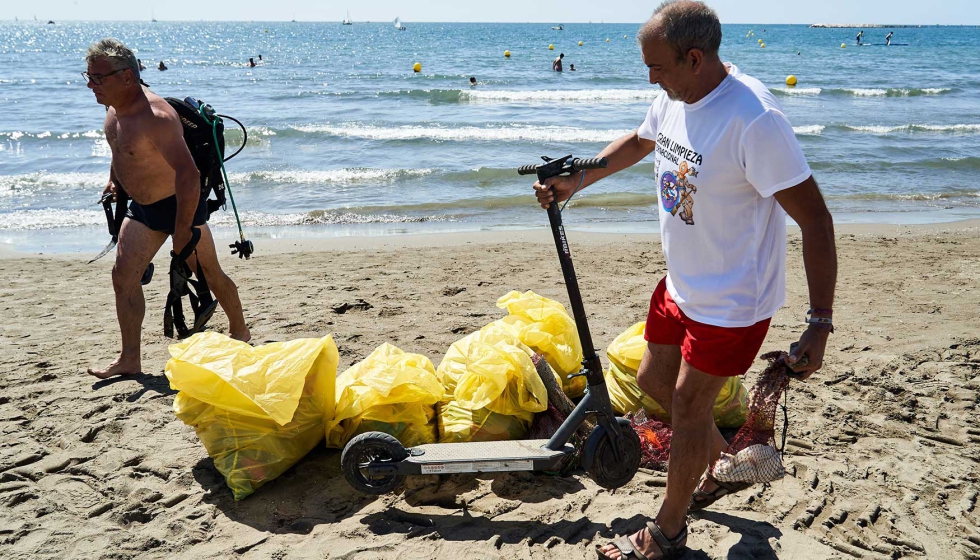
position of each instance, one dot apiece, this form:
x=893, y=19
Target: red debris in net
x=760, y=418
x=654, y=441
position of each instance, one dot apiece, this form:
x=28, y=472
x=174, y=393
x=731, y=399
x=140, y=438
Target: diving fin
x=147, y=275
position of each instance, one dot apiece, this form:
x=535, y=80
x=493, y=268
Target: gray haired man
x=728, y=169
x=152, y=163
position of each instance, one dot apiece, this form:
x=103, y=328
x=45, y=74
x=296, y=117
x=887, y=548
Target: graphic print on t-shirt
x=677, y=192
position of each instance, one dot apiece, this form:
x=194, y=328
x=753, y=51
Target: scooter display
x=376, y=463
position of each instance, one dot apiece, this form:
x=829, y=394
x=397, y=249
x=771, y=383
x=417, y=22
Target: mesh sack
x=752, y=456
x=655, y=438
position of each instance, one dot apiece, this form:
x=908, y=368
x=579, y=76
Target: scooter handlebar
x=592, y=163
x=575, y=164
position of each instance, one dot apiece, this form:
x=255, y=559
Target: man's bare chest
x=127, y=142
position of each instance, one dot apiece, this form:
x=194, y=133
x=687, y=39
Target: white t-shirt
x=718, y=163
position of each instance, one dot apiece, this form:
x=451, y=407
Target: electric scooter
x=376, y=463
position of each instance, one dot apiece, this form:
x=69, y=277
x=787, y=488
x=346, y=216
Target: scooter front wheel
x=610, y=471
x=372, y=448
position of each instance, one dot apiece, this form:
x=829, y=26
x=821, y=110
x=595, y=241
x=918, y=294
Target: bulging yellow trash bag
x=459, y=425
x=492, y=369
x=389, y=391
x=625, y=354
x=256, y=410
x=546, y=327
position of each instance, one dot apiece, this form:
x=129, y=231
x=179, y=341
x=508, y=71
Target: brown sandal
x=701, y=499
x=669, y=548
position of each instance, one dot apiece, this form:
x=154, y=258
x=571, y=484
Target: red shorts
x=721, y=351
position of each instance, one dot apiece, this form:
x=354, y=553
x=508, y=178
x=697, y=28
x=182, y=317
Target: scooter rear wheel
x=372, y=448
x=610, y=471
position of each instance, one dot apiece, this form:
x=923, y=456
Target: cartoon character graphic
x=685, y=190
x=668, y=190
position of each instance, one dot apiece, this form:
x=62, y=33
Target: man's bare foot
x=117, y=367
x=243, y=336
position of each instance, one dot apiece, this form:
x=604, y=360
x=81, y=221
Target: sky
x=948, y=12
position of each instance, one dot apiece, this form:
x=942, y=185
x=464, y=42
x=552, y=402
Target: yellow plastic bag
x=492, y=369
x=256, y=410
x=390, y=391
x=458, y=425
x=625, y=354
x=546, y=327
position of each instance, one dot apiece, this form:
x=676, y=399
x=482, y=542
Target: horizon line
x=855, y=25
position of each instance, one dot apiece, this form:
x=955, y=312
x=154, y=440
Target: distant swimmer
x=140, y=62
x=472, y=81
x=251, y=63
x=571, y=67
x=888, y=38
x=260, y=57
x=859, y=35
x=161, y=66
x=556, y=63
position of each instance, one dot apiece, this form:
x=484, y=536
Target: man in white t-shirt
x=728, y=169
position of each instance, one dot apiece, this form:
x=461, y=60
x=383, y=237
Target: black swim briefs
x=162, y=214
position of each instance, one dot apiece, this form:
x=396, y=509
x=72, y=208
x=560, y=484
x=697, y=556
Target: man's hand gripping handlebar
x=555, y=181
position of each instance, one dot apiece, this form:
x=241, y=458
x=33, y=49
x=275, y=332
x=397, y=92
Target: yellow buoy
x=762, y=45
x=607, y=39
x=843, y=45
x=417, y=67
x=759, y=41
x=624, y=36
x=580, y=43
x=551, y=47
x=791, y=80
x=507, y=54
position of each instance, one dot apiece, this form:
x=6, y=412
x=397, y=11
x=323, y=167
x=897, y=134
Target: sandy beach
x=883, y=444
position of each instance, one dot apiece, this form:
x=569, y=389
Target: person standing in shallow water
x=152, y=163
x=556, y=63
x=726, y=156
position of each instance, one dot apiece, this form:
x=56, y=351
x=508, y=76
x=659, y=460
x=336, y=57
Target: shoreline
x=407, y=240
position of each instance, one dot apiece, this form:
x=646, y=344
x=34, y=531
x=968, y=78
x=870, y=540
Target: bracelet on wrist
x=820, y=322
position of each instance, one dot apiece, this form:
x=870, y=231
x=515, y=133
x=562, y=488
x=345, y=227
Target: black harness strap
x=197, y=291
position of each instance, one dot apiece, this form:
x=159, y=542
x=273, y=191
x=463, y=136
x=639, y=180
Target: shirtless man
x=556, y=63
x=152, y=163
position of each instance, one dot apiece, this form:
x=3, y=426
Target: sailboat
x=347, y=20
x=398, y=24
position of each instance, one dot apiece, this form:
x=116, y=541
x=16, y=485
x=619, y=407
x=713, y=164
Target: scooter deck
x=490, y=456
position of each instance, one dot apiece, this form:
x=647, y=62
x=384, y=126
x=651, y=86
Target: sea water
x=345, y=139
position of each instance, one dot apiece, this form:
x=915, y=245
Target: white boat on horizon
x=398, y=24
x=347, y=20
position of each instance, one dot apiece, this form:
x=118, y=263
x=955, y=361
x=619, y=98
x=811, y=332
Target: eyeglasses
x=97, y=79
